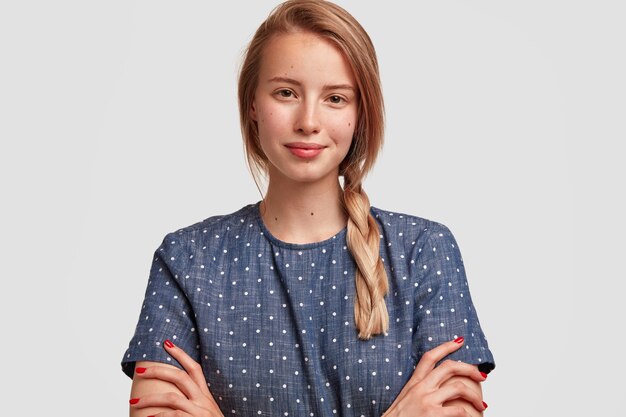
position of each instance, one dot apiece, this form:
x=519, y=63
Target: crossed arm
x=449, y=390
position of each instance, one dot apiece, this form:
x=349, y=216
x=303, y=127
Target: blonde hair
x=334, y=24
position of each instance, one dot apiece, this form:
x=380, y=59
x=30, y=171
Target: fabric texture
x=272, y=323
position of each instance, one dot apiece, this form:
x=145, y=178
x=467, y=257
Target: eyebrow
x=299, y=84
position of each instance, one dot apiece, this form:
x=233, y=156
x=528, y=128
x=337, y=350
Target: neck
x=297, y=212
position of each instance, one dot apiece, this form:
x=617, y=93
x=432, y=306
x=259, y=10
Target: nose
x=307, y=120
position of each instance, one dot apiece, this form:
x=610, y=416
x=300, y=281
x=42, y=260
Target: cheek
x=271, y=118
x=342, y=130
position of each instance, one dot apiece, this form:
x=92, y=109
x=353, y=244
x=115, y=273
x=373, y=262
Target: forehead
x=306, y=57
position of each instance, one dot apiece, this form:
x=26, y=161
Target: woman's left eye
x=336, y=99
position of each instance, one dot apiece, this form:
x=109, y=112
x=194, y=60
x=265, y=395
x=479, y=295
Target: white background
x=118, y=124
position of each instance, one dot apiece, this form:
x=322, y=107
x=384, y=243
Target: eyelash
x=342, y=100
x=282, y=92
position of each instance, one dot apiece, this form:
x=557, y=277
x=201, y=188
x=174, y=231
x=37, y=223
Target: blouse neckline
x=339, y=236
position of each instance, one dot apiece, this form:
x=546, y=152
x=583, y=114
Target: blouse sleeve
x=444, y=309
x=165, y=313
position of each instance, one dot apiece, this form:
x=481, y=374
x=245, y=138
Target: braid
x=363, y=239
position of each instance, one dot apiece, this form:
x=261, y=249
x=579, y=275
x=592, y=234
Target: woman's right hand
x=426, y=392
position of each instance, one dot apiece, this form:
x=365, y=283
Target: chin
x=308, y=178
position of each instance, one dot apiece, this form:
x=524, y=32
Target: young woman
x=311, y=301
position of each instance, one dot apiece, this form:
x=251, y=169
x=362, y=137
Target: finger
x=427, y=363
x=175, y=413
x=429, y=359
x=174, y=375
x=450, y=368
x=192, y=367
x=452, y=412
x=166, y=399
x=459, y=390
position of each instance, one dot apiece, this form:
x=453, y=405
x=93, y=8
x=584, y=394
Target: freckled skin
x=307, y=111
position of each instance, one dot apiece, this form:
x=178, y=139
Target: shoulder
x=412, y=229
x=217, y=223
x=208, y=232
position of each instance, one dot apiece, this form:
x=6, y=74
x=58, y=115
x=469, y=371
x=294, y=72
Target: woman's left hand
x=197, y=402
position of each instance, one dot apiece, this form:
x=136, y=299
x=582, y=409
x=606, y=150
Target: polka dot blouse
x=272, y=323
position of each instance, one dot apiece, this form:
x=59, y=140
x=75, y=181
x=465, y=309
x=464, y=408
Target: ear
x=252, y=112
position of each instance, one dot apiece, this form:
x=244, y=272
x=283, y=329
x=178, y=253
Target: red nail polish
x=485, y=405
x=140, y=370
x=459, y=339
x=484, y=375
x=134, y=400
x=169, y=344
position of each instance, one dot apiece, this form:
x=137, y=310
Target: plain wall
x=119, y=123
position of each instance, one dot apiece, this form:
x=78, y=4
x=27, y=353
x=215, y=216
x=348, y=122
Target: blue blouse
x=272, y=323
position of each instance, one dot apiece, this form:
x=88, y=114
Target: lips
x=305, y=150
x=303, y=145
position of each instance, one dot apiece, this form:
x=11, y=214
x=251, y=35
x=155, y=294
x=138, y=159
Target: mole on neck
x=303, y=220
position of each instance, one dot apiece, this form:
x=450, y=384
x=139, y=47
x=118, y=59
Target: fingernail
x=484, y=375
x=134, y=400
x=169, y=344
x=459, y=340
x=485, y=405
x=140, y=370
